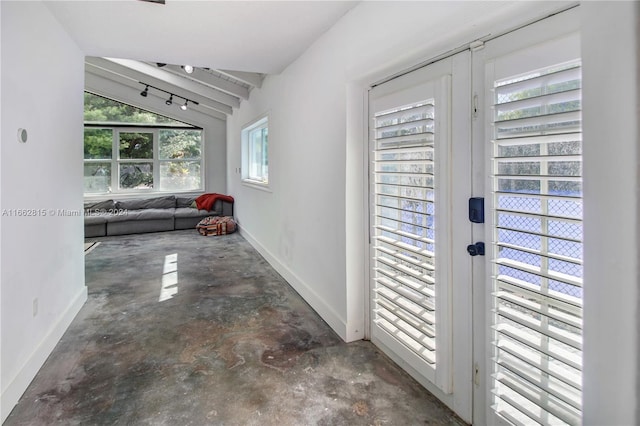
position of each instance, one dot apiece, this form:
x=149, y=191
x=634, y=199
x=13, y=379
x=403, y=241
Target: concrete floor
x=230, y=344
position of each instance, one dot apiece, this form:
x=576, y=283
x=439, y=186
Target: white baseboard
x=326, y=312
x=19, y=383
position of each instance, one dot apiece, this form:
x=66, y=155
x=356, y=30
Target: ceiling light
x=169, y=101
x=188, y=69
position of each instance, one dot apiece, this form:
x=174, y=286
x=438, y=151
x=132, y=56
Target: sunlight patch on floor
x=169, y=286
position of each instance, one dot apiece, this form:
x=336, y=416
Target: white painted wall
x=214, y=129
x=42, y=257
x=310, y=226
x=611, y=211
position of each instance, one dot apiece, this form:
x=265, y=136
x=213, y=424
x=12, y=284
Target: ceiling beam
x=120, y=92
x=251, y=78
x=101, y=66
x=133, y=80
x=178, y=81
x=203, y=77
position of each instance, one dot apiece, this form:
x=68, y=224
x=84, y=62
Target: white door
x=532, y=300
x=419, y=187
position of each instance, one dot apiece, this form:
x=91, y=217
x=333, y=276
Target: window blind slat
x=538, y=140
x=404, y=246
x=405, y=305
x=406, y=270
x=537, y=102
x=539, y=361
x=416, y=335
x=552, y=275
x=401, y=290
x=568, y=338
x=544, y=344
x=427, y=355
x=573, y=301
x=419, y=323
x=423, y=108
x=554, y=408
x=414, y=259
x=537, y=81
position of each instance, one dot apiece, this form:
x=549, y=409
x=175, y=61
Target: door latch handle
x=476, y=249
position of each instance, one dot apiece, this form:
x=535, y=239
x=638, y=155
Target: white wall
x=310, y=226
x=611, y=212
x=41, y=257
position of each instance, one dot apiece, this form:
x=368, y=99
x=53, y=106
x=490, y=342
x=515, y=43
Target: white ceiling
x=252, y=36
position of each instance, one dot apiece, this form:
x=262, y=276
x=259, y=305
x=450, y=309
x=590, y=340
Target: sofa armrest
x=225, y=207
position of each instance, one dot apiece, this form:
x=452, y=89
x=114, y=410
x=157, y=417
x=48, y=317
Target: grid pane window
x=127, y=149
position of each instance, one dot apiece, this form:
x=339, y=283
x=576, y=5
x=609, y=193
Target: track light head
x=187, y=68
x=169, y=101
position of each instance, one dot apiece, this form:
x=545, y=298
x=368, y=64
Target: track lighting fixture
x=187, y=68
x=169, y=101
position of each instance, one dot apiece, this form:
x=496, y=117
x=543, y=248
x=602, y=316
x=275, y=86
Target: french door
x=498, y=335
x=533, y=188
x=419, y=185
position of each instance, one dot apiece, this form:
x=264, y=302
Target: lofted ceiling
x=125, y=40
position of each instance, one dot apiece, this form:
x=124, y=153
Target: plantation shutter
x=409, y=223
x=404, y=233
x=537, y=246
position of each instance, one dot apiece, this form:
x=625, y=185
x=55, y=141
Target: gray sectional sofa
x=135, y=216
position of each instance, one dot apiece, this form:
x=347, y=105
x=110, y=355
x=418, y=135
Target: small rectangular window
x=255, y=152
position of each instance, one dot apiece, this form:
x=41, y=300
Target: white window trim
x=260, y=122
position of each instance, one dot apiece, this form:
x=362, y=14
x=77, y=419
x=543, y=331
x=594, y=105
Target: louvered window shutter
x=537, y=246
x=404, y=234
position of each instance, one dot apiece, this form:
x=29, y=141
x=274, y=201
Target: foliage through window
x=255, y=152
x=127, y=149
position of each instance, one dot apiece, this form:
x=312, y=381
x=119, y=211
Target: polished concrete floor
x=181, y=329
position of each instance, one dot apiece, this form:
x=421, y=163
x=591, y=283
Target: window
x=255, y=152
x=127, y=149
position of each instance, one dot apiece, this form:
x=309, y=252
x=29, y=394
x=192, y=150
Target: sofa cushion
x=93, y=219
x=190, y=212
x=184, y=201
x=98, y=206
x=142, y=214
x=166, y=202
